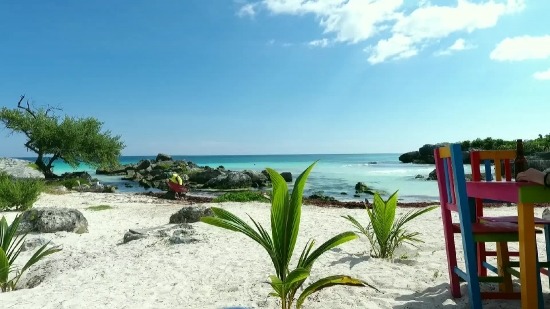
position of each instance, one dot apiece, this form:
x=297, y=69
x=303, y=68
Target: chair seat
x=490, y=228
x=512, y=219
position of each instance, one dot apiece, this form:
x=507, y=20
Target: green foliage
x=285, y=223
x=10, y=247
x=540, y=144
x=33, y=166
x=73, y=140
x=18, y=194
x=384, y=233
x=243, y=196
x=74, y=182
x=99, y=207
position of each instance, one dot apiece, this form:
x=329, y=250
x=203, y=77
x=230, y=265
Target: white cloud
x=248, y=9
x=458, y=45
x=543, y=75
x=398, y=34
x=522, y=48
x=319, y=43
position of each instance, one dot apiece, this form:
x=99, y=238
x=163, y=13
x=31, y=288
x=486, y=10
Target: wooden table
x=524, y=195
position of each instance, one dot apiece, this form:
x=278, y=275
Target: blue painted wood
x=488, y=174
x=465, y=215
x=448, y=181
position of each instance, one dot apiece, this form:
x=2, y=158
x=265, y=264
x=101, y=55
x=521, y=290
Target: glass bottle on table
x=520, y=163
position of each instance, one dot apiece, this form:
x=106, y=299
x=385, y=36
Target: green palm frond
x=285, y=223
x=384, y=233
x=328, y=282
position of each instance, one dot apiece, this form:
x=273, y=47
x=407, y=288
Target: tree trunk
x=46, y=170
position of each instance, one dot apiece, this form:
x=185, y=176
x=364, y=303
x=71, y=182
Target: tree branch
x=50, y=162
x=28, y=145
x=27, y=109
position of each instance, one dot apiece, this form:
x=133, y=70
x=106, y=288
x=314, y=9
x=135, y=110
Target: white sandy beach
x=224, y=269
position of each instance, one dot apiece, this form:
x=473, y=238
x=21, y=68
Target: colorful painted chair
x=452, y=192
x=482, y=162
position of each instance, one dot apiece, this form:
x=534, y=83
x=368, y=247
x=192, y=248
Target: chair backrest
x=450, y=176
x=481, y=161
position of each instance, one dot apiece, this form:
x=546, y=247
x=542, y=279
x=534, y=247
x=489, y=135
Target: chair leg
x=481, y=257
x=450, y=247
x=503, y=262
x=547, y=245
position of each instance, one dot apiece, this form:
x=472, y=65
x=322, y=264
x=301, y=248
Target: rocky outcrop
x=425, y=155
x=173, y=233
x=191, y=214
x=17, y=168
x=230, y=180
x=51, y=220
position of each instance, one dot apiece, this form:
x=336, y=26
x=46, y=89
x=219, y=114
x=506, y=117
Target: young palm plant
x=285, y=223
x=10, y=247
x=383, y=232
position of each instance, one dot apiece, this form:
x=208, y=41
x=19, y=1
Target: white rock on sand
x=224, y=269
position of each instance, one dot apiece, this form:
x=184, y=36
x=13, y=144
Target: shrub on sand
x=285, y=224
x=10, y=247
x=244, y=196
x=18, y=194
x=383, y=232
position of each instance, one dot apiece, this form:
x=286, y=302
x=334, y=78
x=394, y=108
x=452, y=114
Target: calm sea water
x=333, y=174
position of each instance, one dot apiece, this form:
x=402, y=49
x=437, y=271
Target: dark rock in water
x=372, y=162
x=163, y=157
x=343, y=193
x=230, y=180
x=190, y=214
x=432, y=175
x=175, y=233
x=418, y=177
x=78, y=175
x=128, y=185
x=356, y=195
x=51, y=220
x=361, y=187
x=409, y=157
x=287, y=176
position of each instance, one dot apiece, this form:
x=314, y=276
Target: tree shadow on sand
x=440, y=297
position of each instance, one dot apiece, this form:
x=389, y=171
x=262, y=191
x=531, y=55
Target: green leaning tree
x=72, y=140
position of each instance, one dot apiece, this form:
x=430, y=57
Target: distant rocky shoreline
x=18, y=168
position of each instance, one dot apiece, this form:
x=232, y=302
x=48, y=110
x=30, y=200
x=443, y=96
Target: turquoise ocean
x=334, y=174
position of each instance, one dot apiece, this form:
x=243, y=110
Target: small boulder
x=190, y=214
x=51, y=220
x=287, y=176
x=175, y=233
x=432, y=175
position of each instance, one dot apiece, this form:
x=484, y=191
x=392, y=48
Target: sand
x=224, y=269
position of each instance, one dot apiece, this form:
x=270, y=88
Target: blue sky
x=281, y=76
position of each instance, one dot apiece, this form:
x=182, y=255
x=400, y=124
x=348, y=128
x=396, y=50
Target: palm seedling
x=285, y=223
x=384, y=233
x=10, y=246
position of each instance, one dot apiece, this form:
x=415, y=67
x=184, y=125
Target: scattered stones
x=190, y=214
x=51, y=220
x=33, y=243
x=174, y=233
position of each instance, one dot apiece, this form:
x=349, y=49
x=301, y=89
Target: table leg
x=527, y=251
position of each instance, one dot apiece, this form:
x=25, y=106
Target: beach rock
x=174, y=233
x=17, y=168
x=51, y=220
x=361, y=187
x=259, y=180
x=230, y=180
x=418, y=177
x=163, y=157
x=191, y=214
x=287, y=176
x=205, y=175
x=142, y=165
